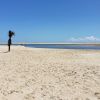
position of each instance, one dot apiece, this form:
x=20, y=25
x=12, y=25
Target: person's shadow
x=4, y=52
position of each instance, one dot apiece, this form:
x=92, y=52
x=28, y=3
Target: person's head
x=10, y=33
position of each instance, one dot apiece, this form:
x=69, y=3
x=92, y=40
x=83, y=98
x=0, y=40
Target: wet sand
x=49, y=74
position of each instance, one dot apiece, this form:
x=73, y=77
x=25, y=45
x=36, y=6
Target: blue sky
x=50, y=20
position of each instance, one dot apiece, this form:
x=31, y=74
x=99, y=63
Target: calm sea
x=65, y=46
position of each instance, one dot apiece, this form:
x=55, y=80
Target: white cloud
x=85, y=39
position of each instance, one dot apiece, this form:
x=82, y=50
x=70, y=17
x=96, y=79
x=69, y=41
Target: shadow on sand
x=4, y=52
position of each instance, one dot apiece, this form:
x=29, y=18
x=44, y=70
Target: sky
x=50, y=20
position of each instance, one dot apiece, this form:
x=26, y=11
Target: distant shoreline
x=91, y=46
x=54, y=43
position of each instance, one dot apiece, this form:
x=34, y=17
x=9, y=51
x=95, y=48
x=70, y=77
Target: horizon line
x=14, y=43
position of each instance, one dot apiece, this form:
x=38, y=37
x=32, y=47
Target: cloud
x=85, y=39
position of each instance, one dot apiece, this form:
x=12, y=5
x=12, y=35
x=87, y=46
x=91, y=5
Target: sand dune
x=49, y=74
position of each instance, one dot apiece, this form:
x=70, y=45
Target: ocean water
x=65, y=46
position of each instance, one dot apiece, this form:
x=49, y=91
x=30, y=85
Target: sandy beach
x=49, y=74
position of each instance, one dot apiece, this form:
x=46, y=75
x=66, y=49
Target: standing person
x=10, y=34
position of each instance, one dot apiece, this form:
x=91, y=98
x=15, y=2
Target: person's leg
x=9, y=48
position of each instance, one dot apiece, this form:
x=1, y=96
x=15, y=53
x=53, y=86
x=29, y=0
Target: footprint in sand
x=97, y=94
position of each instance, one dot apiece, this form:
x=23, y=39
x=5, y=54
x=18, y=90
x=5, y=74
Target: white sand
x=49, y=74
